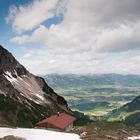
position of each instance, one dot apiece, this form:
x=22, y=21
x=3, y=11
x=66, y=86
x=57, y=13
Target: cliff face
x=24, y=97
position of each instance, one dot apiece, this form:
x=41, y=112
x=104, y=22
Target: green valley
x=95, y=94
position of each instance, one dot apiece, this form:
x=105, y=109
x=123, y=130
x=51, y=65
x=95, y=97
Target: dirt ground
x=11, y=138
x=105, y=131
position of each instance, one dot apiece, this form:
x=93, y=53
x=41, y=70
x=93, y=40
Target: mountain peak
x=10, y=64
x=2, y=48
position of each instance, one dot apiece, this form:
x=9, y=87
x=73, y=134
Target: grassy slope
x=129, y=113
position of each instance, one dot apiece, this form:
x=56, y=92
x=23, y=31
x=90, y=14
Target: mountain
x=95, y=94
x=129, y=113
x=24, y=97
x=73, y=80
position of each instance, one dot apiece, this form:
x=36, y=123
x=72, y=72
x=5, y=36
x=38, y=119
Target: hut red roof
x=60, y=121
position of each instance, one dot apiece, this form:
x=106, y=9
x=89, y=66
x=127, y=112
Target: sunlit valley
x=95, y=94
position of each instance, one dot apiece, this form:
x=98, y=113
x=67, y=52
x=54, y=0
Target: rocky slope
x=107, y=131
x=24, y=97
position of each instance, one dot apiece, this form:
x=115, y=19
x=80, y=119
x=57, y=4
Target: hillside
x=24, y=97
x=95, y=94
x=129, y=113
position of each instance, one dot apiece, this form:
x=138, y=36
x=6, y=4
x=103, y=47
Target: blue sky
x=67, y=36
x=7, y=31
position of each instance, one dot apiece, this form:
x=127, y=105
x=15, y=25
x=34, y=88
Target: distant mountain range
x=71, y=80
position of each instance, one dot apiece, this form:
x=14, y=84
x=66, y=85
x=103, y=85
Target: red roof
x=60, y=121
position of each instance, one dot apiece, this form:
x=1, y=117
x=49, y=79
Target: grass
x=122, y=116
x=100, y=110
x=131, y=113
x=82, y=95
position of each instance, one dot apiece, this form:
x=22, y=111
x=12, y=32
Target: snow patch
x=134, y=138
x=16, y=73
x=10, y=78
x=38, y=134
x=40, y=96
x=28, y=86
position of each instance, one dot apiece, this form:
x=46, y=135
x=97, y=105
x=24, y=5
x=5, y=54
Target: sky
x=73, y=36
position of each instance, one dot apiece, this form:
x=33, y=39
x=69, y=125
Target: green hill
x=129, y=113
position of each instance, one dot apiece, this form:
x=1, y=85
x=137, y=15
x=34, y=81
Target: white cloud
x=119, y=39
x=93, y=37
x=42, y=62
x=27, y=17
x=38, y=36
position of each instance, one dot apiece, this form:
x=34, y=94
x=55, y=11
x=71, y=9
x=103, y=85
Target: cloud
x=44, y=62
x=93, y=25
x=103, y=13
x=119, y=39
x=38, y=37
x=93, y=37
x=28, y=17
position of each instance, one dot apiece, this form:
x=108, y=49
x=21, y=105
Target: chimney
x=58, y=113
